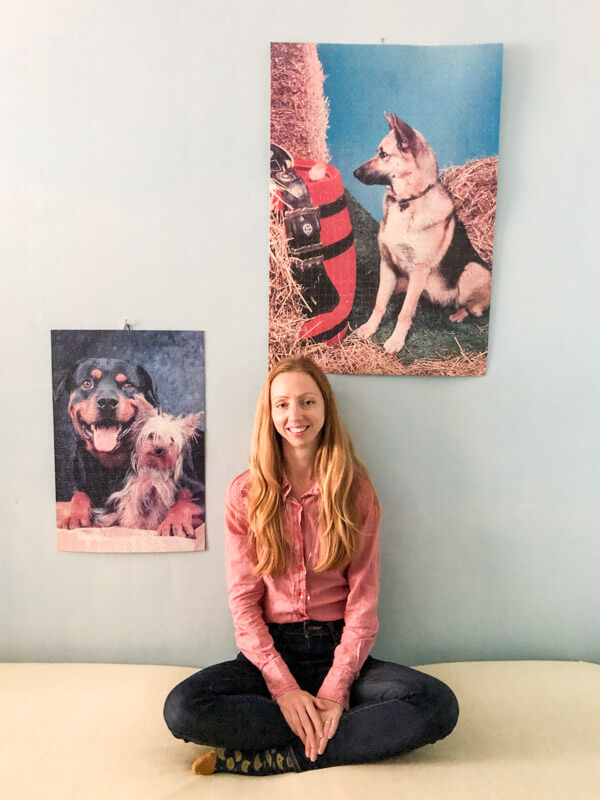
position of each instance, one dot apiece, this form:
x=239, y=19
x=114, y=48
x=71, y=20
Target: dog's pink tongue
x=105, y=439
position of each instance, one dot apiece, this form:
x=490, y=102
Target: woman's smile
x=298, y=428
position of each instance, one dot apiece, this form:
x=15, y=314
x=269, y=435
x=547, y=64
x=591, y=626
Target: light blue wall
x=132, y=186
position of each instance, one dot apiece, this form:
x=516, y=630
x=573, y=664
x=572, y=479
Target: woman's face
x=297, y=409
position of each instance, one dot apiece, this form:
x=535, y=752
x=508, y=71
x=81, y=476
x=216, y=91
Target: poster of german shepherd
x=383, y=181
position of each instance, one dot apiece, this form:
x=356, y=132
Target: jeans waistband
x=308, y=627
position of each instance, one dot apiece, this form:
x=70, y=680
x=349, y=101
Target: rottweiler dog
x=106, y=397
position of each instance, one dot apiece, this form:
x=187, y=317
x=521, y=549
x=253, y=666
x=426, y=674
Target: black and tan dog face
x=106, y=397
x=401, y=155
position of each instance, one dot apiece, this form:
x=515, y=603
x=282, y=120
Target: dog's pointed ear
x=406, y=138
x=191, y=423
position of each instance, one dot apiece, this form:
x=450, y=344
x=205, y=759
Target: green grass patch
x=432, y=335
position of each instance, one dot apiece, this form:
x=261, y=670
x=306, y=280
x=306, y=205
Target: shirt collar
x=286, y=487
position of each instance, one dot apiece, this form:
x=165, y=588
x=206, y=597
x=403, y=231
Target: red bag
x=321, y=241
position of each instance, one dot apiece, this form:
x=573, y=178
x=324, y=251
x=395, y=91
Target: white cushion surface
x=528, y=729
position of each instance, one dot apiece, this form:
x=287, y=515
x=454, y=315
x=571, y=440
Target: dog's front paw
x=181, y=520
x=459, y=315
x=394, y=344
x=367, y=330
x=75, y=514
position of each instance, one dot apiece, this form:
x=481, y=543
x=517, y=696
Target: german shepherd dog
x=424, y=247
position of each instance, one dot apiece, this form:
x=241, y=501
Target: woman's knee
x=437, y=702
x=181, y=708
x=448, y=710
x=384, y=680
x=441, y=705
x=174, y=712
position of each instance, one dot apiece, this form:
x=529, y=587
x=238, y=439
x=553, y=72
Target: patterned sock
x=245, y=762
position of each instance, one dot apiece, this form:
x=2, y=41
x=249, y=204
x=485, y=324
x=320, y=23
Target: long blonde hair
x=337, y=471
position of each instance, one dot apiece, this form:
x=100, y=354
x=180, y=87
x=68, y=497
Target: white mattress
x=528, y=729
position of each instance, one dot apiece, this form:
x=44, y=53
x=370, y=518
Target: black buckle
x=303, y=230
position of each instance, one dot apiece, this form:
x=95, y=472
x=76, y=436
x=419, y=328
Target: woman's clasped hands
x=313, y=719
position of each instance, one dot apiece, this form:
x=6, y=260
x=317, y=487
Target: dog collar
x=404, y=202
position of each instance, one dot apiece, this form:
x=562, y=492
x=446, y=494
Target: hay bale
x=473, y=188
x=285, y=300
x=299, y=108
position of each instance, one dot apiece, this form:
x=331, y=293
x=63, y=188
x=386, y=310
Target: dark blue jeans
x=393, y=709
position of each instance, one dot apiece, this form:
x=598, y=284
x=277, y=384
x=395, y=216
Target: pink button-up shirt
x=301, y=594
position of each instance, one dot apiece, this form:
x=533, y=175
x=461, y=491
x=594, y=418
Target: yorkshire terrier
x=161, y=442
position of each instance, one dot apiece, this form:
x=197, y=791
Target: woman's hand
x=330, y=713
x=304, y=718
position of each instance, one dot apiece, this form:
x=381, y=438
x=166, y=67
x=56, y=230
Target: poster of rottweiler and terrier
x=129, y=440
x=383, y=181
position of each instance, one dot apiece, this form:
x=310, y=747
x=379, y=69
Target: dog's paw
x=459, y=315
x=366, y=331
x=394, y=344
x=75, y=514
x=181, y=520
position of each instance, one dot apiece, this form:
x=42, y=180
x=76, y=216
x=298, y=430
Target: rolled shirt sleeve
x=245, y=592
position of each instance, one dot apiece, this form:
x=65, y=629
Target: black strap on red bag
x=303, y=231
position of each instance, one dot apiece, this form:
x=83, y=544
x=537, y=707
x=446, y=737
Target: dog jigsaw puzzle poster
x=383, y=180
x=129, y=440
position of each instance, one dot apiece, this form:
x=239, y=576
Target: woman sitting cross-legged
x=302, y=552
